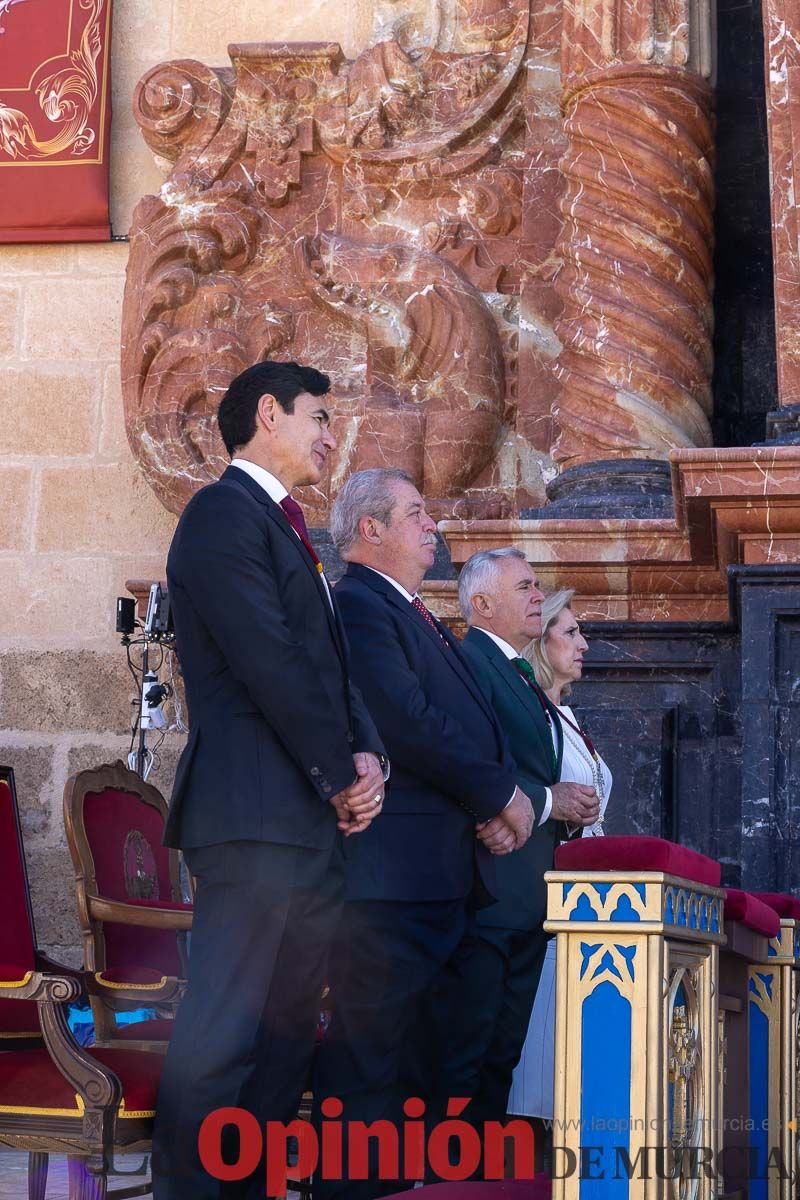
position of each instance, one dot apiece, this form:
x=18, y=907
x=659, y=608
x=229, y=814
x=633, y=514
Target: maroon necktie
x=426, y=616
x=294, y=515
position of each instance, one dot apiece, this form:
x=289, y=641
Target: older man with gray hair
x=411, y=889
x=501, y=603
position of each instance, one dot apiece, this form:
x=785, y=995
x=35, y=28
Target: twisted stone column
x=637, y=236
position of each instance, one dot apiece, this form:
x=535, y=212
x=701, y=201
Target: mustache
x=430, y=540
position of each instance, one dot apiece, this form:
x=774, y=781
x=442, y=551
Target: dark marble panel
x=661, y=700
x=767, y=607
x=701, y=727
x=745, y=374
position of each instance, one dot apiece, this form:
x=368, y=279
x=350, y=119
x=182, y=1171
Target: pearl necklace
x=592, y=758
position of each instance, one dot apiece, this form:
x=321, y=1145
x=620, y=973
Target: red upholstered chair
x=620, y=853
x=127, y=885
x=784, y=905
x=54, y=1096
x=19, y=1020
x=747, y=909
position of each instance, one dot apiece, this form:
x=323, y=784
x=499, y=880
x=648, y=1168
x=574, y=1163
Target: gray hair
x=479, y=573
x=536, y=651
x=366, y=494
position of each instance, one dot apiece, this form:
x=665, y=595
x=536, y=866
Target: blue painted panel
x=704, y=914
x=759, y=1100
x=606, y=964
x=625, y=910
x=771, y=952
x=629, y=954
x=587, y=950
x=566, y=888
x=681, y=909
x=583, y=910
x=602, y=890
x=669, y=909
x=605, y=1089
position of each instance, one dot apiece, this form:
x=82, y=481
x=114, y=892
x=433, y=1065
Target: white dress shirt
x=510, y=653
x=394, y=584
x=277, y=492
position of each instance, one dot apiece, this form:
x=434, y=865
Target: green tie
x=525, y=669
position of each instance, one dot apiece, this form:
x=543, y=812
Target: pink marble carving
x=738, y=505
x=637, y=236
x=366, y=217
x=782, y=75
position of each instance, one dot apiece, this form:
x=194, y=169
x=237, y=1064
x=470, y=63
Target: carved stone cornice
x=732, y=506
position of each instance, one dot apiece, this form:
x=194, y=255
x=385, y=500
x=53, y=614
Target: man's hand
x=574, y=803
x=511, y=828
x=359, y=803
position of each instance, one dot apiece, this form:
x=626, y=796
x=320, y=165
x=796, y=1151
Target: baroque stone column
x=637, y=237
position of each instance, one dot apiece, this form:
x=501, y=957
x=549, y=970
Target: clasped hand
x=574, y=803
x=358, y=804
x=511, y=828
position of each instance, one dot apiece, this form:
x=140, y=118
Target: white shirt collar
x=393, y=582
x=506, y=647
x=271, y=485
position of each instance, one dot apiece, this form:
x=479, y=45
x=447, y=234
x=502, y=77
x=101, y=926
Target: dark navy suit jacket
x=519, y=885
x=274, y=719
x=451, y=767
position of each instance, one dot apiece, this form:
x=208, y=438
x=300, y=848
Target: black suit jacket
x=519, y=883
x=274, y=719
x=450, y=763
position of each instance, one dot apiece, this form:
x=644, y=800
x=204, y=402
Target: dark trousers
x=489, y=996
x=382, y=1045
x=244, y=1034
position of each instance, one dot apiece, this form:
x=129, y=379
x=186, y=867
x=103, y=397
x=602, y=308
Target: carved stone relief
x=422, y=224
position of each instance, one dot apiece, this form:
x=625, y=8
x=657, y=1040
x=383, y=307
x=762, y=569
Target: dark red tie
x=426, y=616
x=294, y=515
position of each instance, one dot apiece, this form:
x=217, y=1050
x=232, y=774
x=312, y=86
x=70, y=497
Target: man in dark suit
x=501, y=603
x=413, y=876
x=281, y=750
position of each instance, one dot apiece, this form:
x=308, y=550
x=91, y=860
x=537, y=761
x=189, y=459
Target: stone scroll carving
x=362, y=216
x=637, y=234
x=422, y=222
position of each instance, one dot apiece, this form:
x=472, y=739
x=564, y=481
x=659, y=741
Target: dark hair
x=283, y=380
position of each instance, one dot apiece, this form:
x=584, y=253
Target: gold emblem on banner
x=66, y=98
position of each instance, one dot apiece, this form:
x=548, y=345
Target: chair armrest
x=168, y=989
x=33, y=985
x=98, y=1088
x=148, y=916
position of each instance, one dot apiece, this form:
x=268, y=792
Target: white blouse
x=578, y=766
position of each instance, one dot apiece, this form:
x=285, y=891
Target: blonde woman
x=557, y=659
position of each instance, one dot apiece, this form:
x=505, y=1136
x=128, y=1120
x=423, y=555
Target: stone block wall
x=76, y=518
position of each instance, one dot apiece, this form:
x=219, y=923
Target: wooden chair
x=132, y=916
x=55, y=1097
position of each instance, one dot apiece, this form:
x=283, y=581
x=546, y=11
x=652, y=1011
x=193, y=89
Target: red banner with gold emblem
x=55, y=113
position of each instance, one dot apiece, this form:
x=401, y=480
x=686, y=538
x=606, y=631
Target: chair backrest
x=18, y=1018
x=114, y=823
